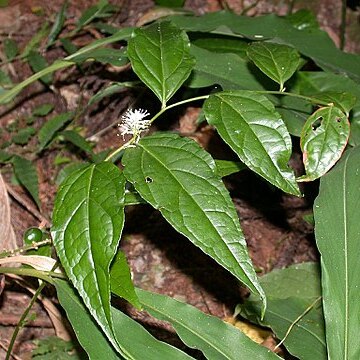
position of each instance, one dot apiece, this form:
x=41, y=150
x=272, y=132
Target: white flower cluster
x=133, y=122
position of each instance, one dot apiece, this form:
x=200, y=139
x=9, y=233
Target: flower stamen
x=133, y=122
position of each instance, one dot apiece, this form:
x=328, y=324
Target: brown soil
x=161, y=260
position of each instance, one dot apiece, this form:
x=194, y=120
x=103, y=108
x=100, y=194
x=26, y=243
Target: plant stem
x=24, y=248
x=22, y=320
x=43, y=275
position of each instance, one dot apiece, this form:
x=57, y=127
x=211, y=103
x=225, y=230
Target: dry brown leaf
x=38, y=262
x=7, y=235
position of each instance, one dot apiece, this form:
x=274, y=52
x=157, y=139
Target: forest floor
x=161, y=260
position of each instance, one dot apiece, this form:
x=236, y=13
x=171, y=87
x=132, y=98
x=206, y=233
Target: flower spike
x=133, y=122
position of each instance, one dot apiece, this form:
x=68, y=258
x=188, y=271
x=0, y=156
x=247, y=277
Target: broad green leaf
x=178, y=178
x=215, y=338
x=77, y=140
x=89, y=335
x=323, y=140
x=51, y=127
x=303, y=19
x=58, y=24
x=160, y=56
x=104, y=55
x=120, y=278
x=309, y=41
x=279, y=62
x=229, y=71
x=290, y=292
x=88, y=219
x=67, y=170
x=5, y=156
x=23, y=135
x=26, y=174
x=38, y=63
x=10, y=48
x=222, y=44
x=226, y=167
x=55, y=348
x=249, y=124
x=337, y=228
x=43, y=110
x=345, y=101
x=136, y=343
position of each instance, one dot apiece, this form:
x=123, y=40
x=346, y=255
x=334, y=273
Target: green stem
x=43, y=275
x=21, y=323
x=135, y=137
x=24, y=248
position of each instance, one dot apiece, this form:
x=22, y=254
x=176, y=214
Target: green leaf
x=26, y=174
x=215, y=338
x=101, y=10
x=54, y=348
x=279, y=62
x=249, y=124
x=229, y=71
x=96, y=345
x=170, y=3
x=77, y=140
x=23, y=135
x=290, y=292
x=38, y=63
x=51, y=127
x=68, y=46
x=88, y=219
x=104, y=55
x=110, y=90
x=35, y=40
x=10, y=49
x=58, y=24
x=337, y=228
x=135, y=341
x=323, y=140
x=121, y=283
x=43, y=110
x=5, y=156
x=277, y=30
x=4, y=80
x=133, y=198
x=178, y=178
x=225, y=167
x=160, y=57
x=345, y=101
x=222, y=44
x=67, y=170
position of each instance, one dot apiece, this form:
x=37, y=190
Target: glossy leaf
x=26, y=173
x=337, y=228
x=51, y=127
x=160, y=56
x=121, y=283
x=345, y=101
x=226, y=167
x=88, y=218
x=279, y=62
x=249, y=124
x=214, y=337
x=96, y=345
x=229, y=71
x=290, y=292
x=77, y=140
x=178, y=178
x=309, y=41
x=323, y=140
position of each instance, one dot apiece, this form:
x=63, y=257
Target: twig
x=3, y=346
x=27, y=205
x=297, y=320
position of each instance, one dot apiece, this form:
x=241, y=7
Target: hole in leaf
x=317, y=123
x=338, y=119
x=148, y=180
